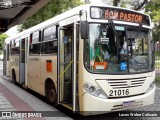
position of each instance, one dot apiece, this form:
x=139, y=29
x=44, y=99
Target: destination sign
x=119, y=14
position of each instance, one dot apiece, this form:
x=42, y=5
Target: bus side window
x=15, y=51
x=34, y=47
x=15, y=47
x=49, y=47
x=49, y=33
x=49, y=40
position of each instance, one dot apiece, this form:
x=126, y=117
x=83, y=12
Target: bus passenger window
x=15, y=47
x=15, y=51
x=49, y=47
x=34, y=49
x=49, y=43
x=49, y=33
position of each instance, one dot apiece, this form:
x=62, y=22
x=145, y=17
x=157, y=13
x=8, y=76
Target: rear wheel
x=13, y=77
x=51, y=94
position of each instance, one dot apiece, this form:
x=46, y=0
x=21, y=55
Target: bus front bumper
x=93, y=105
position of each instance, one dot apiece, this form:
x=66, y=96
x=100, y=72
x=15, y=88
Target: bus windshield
x=117, y=49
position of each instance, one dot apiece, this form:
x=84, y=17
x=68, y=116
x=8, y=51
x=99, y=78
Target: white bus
x=91, y=59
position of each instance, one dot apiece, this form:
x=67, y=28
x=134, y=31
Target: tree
x=53, y=8
x=153, y=8
x=133, y=4
x=2, y=38
x=116, y=2
x=138, y=4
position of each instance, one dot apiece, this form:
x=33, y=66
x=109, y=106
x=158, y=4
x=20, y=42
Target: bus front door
x=66, y=67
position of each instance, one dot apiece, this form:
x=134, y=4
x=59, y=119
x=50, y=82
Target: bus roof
x=58, y=18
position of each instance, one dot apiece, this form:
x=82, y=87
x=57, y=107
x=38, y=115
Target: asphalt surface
x=14, y=98
x=40, y=105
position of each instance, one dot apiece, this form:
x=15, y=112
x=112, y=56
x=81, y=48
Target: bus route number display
x=119, y=14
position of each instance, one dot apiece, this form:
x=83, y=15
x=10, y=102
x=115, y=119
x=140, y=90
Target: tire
x=13, y=77
x=51, y=94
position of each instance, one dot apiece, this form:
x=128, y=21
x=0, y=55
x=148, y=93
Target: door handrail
x=65, y=63
x=65, y=69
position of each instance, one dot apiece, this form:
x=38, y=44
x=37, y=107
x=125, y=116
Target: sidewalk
x=13, y=98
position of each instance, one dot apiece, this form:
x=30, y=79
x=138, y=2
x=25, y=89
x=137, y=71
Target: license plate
x=128, y=104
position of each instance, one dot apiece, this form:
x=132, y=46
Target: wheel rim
x=52, y=95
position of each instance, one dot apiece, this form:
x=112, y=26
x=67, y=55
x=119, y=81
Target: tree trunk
x=115, y=2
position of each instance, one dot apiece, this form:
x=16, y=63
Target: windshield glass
x=113, y=49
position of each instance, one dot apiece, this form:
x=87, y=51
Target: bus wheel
x=13, y=77
x=51, y=95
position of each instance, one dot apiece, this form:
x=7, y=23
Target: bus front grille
x=126, y=83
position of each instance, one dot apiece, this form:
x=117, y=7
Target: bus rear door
x=4, y=59
x=7, y=60
x=23, y=59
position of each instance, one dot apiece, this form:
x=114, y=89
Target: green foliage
x=123, y=4
x=53, y=8
x=132, y=4
x=2, y=38
x=153, y=8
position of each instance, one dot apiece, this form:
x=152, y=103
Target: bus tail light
x=151, y=86
x=93, y=90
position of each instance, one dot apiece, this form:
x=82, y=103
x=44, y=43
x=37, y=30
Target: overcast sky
x=12, y=31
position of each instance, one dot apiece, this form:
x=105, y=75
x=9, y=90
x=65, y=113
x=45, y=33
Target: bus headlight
x=151, y=86
x=93, y=90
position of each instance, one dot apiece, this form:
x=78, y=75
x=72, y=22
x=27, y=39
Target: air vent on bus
x=126, y=83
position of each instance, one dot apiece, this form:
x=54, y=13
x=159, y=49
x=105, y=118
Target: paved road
x=14, y=98
x=154, y=107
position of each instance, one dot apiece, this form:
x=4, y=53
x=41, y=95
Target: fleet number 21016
x=118, y=92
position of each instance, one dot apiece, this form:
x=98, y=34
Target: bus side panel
x=34, y=76
x=48, y=70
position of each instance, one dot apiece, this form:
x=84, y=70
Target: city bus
x=92, y=59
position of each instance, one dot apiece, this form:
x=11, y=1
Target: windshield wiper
x=114, y=30
x=116, y=38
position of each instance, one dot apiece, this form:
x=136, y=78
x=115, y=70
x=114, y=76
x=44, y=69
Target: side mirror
x=84, y=29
